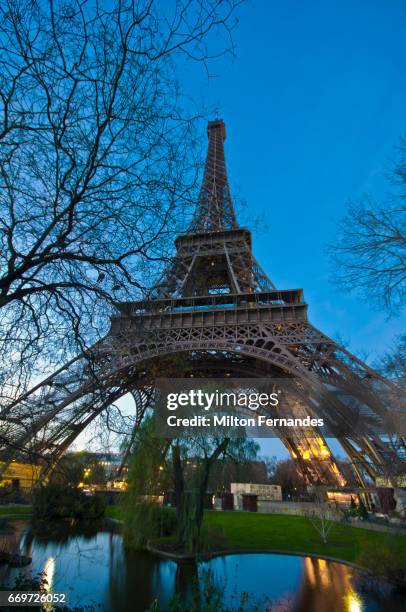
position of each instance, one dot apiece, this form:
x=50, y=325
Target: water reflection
x=136, y=579
x=92, y=564
x=48, y=572
x=328, y=586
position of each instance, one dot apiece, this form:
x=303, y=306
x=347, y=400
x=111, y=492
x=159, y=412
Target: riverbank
x=243, y=531
x=15, y=511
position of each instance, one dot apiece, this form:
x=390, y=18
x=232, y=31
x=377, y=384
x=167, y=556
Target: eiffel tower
x=216, y=307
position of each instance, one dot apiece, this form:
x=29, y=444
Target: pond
x=92, y=565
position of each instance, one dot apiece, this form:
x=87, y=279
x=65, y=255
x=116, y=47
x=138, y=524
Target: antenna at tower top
x=215, y=209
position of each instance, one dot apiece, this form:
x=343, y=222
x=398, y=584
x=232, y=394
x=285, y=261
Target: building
x=264, y=492
x=341, y=497
x=400, y=481
x=111, y=463
x=20, y=476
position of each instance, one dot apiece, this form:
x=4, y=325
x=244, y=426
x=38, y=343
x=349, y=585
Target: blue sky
x=314, y=106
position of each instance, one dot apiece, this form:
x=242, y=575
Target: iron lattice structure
x=217, y=309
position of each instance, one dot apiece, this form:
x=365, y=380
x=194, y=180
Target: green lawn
x=114, y=512
x=4, y=510
x=248, y=531
x=295, y=533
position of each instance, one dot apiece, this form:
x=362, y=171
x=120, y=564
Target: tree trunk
x=190, y=500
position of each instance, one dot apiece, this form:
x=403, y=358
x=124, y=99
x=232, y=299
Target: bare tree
x=393, y=363
x=370, y=258
x=271, y=465
x=96, y=164
x=321, y=516
x=287, y=476
x=370, y=250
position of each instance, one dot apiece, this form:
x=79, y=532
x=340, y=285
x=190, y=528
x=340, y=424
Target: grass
x=5, y=510
x=114, y=512
x=249, y=531
x=243, y=531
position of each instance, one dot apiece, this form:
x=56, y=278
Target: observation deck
x=286, y=306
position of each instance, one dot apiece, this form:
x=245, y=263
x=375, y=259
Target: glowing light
x=310, y=571
x=49, y=571
x=339, y=496
x=353, y=602
x=324, y=573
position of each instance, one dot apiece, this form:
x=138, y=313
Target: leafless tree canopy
x=95, y=159
x=393, y=363
x=370, y=251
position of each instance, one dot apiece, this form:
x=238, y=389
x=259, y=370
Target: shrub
x=59, y=501
x=362, y=511
x=10, y=495
x=148, y=520
x=382, y=561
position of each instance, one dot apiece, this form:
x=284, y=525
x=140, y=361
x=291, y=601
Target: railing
x=222, y=301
